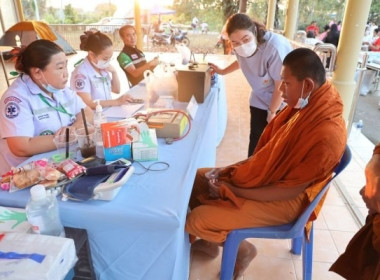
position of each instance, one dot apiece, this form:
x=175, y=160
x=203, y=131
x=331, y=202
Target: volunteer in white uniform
x=259, y=54
x=94, y=77
x=37, y=105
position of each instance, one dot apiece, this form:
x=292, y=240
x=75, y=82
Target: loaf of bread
x=26, y=178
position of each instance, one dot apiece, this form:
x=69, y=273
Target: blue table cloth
x=140, y=234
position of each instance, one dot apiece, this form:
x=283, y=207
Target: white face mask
x=102, y=64
x=49, y=87
x=302, y=102
x=247, y=49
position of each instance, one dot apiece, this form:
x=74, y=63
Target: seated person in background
x=313, y=27
x=324, y=33
x=157, y=27
x=37, y=105
x=91, y=77
x=293, y=160
x=310, y=34
x=361, y=260
x=332, y=35
x=131, y=59
x=374, y=45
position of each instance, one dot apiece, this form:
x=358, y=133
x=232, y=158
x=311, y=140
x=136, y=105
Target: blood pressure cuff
x=82, y=189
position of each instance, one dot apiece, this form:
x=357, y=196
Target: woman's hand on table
x=124, y=99
x=62, y=130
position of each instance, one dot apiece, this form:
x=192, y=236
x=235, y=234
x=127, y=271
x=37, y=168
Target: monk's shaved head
x=305, y=63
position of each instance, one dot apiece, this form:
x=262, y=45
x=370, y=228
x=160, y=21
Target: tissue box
x=146, y=148
x=13, y=219
x=115, y=134
x=36, y=256
x=117, y=152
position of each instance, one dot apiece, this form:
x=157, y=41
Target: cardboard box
x=168, y=124
x=195, y=81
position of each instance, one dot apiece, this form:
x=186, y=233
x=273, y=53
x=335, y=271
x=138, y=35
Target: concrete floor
x=368, y=110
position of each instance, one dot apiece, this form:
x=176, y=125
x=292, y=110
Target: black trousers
x=258, y=123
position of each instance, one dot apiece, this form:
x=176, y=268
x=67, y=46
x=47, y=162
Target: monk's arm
x=268, y=193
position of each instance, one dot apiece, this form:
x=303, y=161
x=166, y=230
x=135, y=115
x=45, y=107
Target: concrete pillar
x=350, y=42
x=20, y=12
x=271, y=14
x=138, y=25
x=291, y=19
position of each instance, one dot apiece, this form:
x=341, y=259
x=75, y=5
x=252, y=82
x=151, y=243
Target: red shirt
x=377, y=44
x=313, y=28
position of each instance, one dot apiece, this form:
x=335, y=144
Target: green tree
x=29, y=8
x=71, y=15
x=374, y=12
x=105, y=10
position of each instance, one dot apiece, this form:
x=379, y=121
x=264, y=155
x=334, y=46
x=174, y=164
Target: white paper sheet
x=123, y=111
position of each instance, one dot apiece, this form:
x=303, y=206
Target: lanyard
x=59, y=109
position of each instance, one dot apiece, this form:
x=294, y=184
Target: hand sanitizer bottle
x=42, y=212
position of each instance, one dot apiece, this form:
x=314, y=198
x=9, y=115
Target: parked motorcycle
x=180, y=36
x=175, y=36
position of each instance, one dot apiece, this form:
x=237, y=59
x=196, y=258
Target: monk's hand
x=371, y=191
x=214, y=188
x=213, y=174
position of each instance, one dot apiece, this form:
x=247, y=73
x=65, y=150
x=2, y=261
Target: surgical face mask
x=302, y=102
x=247, y=49
x=49, y=87
x=102, y=64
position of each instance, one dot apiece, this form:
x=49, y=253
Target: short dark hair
x=241, y=21
x=125, y=27
x=305, y=63
x=37, y=54
x=94, y=41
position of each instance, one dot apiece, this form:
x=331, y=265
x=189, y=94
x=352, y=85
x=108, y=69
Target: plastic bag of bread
x=40, y=171
x=26, y=178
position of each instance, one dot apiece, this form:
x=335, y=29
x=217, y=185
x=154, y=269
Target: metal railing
x=72, y=32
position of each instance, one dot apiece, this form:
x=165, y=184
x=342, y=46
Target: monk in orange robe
x=361, y=260
x=293, y=160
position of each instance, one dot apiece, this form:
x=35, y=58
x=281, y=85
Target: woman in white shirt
x=37, y=105
x=94, y=78
x=259, y=54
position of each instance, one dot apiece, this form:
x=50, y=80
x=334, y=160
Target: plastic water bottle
x=359, y=126
x=42, y=212
x=99, y=118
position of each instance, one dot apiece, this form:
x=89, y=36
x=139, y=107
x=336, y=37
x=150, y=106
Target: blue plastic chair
x=294, y=231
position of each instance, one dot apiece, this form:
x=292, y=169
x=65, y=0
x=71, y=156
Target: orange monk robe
x=297, y=147
x=361, y=260
x=377, y=149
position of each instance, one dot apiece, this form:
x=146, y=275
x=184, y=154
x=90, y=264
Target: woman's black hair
x=37, y=54
x=94, y=41
x=241, y=21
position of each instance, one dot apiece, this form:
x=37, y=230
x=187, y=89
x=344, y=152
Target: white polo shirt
x=85, y=78
x=264, y=68
x=24, y=112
